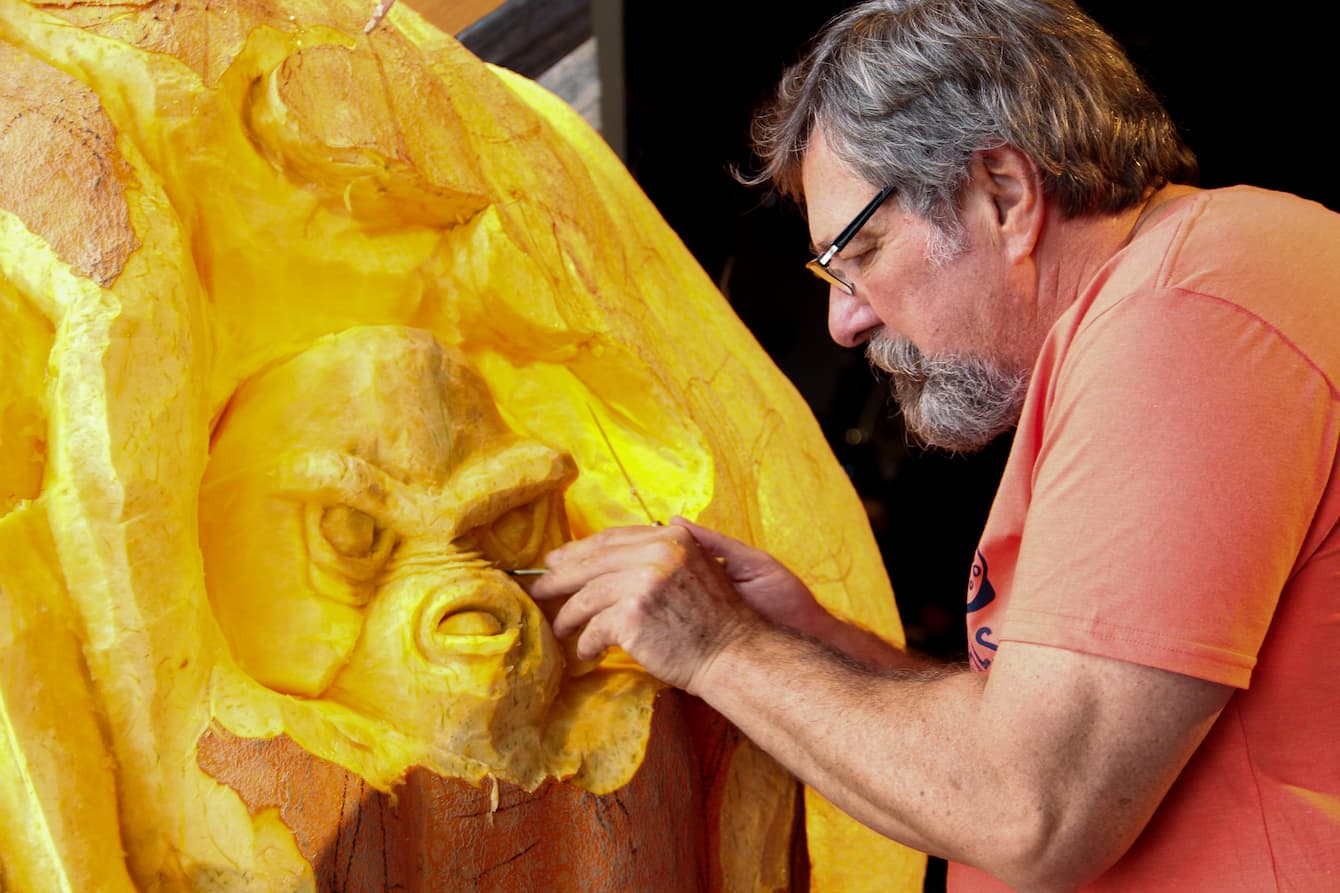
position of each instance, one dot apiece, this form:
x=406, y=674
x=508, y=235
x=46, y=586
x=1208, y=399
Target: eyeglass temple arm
x=845, y=236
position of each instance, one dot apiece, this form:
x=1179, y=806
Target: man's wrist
x=727, y=664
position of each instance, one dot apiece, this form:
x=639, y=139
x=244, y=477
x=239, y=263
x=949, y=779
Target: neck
x=1070, y=252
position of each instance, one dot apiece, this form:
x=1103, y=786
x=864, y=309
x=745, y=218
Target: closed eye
x=347, y=550
x=521, y=536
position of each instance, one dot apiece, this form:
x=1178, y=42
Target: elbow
x=1045, y=849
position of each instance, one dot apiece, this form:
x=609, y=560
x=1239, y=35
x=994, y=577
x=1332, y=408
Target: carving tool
x=378, y=14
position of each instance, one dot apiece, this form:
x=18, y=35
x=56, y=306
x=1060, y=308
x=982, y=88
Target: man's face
x=360, y=501
x=938, y=320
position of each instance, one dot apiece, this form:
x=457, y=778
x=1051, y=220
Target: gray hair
x=906, y=91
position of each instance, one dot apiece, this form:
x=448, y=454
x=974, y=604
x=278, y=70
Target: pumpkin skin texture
x=304, y=337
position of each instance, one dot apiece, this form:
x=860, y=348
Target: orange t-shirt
x=1171, y=499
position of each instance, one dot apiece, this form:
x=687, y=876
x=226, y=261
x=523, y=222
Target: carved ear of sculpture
x=350, y=146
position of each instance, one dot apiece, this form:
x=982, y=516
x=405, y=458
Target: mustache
x=897, y=356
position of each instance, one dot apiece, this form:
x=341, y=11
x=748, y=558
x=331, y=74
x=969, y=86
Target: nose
x=851, y=321
x=464, y=618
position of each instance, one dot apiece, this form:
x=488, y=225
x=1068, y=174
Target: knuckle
x=647, y=579
x=678, y=534
x=637, y=611
x=670, y=554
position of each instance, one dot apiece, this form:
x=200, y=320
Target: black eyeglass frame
x=819, y=264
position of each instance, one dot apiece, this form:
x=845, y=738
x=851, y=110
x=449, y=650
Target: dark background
x=1253, y=95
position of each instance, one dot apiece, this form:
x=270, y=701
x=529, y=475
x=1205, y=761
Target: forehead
x=833, y=194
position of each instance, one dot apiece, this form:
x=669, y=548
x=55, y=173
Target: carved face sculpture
x=361, y=500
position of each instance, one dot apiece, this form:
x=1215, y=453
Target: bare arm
x=1041, y=773
x=780, y=596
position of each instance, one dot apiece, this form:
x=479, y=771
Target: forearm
x=1067, y=777
x=866, y=647
x=1067, y=753
x=873, y=741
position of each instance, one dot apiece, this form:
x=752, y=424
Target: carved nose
x=473, y=614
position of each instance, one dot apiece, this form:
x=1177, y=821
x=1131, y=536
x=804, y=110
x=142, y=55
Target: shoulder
x=1269, y=259
x=1217, y=236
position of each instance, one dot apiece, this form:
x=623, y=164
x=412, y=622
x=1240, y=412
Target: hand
x=763, y=582
x=653, y=591
x=777, y=594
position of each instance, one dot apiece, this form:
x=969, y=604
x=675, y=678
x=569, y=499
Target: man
x=998, y=205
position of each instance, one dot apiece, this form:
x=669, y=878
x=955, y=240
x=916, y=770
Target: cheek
x=956, y=307
x=265, y=595
x=995, y=319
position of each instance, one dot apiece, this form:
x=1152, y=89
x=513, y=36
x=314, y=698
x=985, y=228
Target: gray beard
x=959, y=404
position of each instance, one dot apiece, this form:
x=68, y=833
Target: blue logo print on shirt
x=980, y=594
x=980, y=591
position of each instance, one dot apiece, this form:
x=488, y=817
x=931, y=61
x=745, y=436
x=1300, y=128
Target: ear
x=1009, y=185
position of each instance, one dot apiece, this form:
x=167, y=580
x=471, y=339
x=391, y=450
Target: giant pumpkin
x=307, y=337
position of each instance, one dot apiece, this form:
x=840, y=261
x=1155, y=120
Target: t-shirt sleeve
x=1186, y=447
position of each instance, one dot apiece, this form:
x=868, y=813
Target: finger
x=742, y=561
x=580, y=550
x=574, y=615
x=607, y=538
x=598, y=637
x=578, y=610
x=625, y=626
x=572, y=566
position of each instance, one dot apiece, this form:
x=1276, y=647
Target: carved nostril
x=459, y=621
x=469, y=623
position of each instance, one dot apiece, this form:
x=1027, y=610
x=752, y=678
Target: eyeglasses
x=819, y=266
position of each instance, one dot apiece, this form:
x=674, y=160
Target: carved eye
x=349, y=531
x=347, y=546
x=519, y=537
x=514, y=532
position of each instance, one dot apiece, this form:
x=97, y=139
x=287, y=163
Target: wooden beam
x=529, y=36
